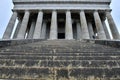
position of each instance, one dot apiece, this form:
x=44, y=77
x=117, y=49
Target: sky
x=6, y=6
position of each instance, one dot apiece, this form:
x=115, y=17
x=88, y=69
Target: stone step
x=61, y=54
x=60, y=57
x=57, y=46
x=60, y=60
x=60, y=50
x=57, y=73
x=60, y=63
x=77, y=46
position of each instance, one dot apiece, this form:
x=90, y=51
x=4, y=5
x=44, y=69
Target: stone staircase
x=60, y=60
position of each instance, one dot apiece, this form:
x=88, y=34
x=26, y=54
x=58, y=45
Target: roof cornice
x=61, y=1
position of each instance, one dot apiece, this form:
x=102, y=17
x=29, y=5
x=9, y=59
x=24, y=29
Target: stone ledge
x=9, y=79
x=5, y=43
x=112, y=43
x=103, y=1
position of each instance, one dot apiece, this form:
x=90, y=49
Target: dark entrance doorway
x=61, y=35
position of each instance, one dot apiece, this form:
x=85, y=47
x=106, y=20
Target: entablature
x=61, y=1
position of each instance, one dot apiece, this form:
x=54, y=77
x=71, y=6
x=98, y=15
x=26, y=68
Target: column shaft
x=90, y=28
x=79, y=32
x=106, y=30
x=53, y=28
x=68, y=28
x=84, y=27
x=32, y=28
x=24, y=24
x=38, y=26
x=10, y=26
x=43, y=34
x=112, y=25
x=17, y=29
x=99, y=26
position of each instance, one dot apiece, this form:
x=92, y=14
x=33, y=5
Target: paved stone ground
x=59, y=60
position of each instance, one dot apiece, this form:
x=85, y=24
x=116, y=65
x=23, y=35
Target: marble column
x=84, y=27
x=106, y=30
x=32, y=28
x=53, y=28
x=99, y=26
x=43, y=33
x=17, y=29
x=22, y=31
x=90, y=28
x=68, y=28
x=10, y=26
x=112, y=26
x=79, y=32
x=37, y=32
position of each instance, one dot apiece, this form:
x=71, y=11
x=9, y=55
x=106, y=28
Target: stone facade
x=60, y=40
x=61, y=19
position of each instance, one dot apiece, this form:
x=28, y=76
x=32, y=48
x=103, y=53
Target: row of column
x=86, y=28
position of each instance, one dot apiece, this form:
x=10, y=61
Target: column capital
x=27, y=10
x=54, y=10
x=40, y=10
x=95, y=10
x=68, y=10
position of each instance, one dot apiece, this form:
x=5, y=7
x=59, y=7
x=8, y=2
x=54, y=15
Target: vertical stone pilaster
x=68, y=28
x=43, y=34
x=90, y=28
x=24, y=24
x=112, y=26
x=79, y=32
x=99, y=26
x=37, y=32
x=53, y=28
x=32, y=28
x=10, y=26
x=84, y=27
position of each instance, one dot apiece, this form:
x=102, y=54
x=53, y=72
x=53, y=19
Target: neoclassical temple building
x=61, y=19
x=60, y=40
